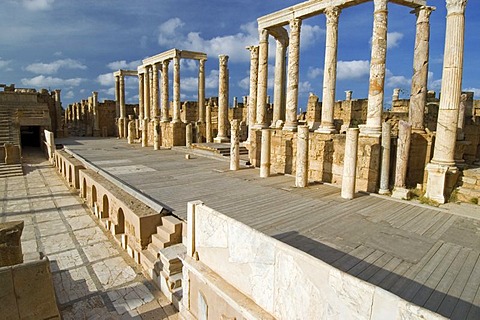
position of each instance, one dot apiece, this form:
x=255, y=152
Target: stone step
x=153, y=249
x=171, y=224
x=147, y=261
x=467, y=195
x=170, y=237
x=159, y=241
x=471, y=173
x=10, y=170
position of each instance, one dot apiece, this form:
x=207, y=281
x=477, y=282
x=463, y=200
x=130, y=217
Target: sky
x=75, y=46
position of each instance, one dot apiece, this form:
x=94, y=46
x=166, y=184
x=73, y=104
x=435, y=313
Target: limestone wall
x=27, y=291
x=283, y=281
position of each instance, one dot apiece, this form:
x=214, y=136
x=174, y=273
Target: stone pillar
x=377, y=70
x=117, y=97
x=293, y=71
x=418, y=92
x=262, y=80
x=442, y=167
x=396, y=94
x=350, y=164
x=155, y=105
x=176, y=89
x=123, y=111
x=461, y=117
x=222, y=100
x=385, y=170
x=265, y=154
x=131, y=131
x=10, y=243
x=208, y=125
x=348, y=95
x=330, y=70
x=58, y=113
x=188, y=135
x=156, y=134
x=140, y=96
x=96, y=115
x=403, y=148
x=146, y=96
x=201, y=91
x=301, y=177
x=252, y=104
x=280, y=78
x=165, y=91
x=234, y=145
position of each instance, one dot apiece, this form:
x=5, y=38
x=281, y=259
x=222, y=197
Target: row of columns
x=84, y=110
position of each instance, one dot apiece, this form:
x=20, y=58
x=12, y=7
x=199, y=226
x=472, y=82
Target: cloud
x=352, y=69
x=398, y=82
x=304, y=87
x=35, y=5
x=123, y=64
x=393, y=39
x=4, y=63
x=310, y=35
x=106, y=79
x=244, y=83
x=314, y=73
x=42, y=81
x=190, y=65
x=69, y=95
x=53, y=67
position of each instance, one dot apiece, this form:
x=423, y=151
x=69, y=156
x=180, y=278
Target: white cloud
x=310, y=35
x=244, y=83
x=123, y=64
x=35, y=5
x=69, y=95
x=398, y=82
x=304, y=87
x=42, y=81
x=393, y=39
x=168, y=31
x=53, y=67
x=106, y=79
x=476, y=92
x=211, y=80
x=4, y=63
x=313, y=73
x=352, y=69
x=190, y=65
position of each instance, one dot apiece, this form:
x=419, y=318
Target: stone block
x=8, y=302
x=10, y=243
x=12, y=154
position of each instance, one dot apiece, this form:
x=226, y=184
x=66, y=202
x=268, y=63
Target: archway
x=84, y=189
x=70, y=178
x=94, y=196
x=120, y=226
x=105, y=207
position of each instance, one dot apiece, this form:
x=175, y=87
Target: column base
x=260, y=126
x=329, y=130
x=221, y=140
x=290, y=127
x=441, y=180
x=370, y=131
x=401, y=193
x=384, y=192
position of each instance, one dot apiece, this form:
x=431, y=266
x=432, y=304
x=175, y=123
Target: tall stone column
x=188, y=135
x=403, y=148
x=155, y=83
x=176, y=89
x=201, y=91
x=348, y=95
x=165, y=91
x=280, y=78
x=418, y=92
x=252, y=104
x=222, y=100
x=301, y=177
x=123, y=112
x=265, y=154
x=262, y=81
x=208, y=125
x=146, y=95
x=350, y=164
x=376, y=90
x=461, y=117
x=58, y=113
x=234, y=145
x=385, y=170
x=140, y=96
x=117, y=97
x=442, y=165
x=96, y=115
x=330, y=70
x=293, y=71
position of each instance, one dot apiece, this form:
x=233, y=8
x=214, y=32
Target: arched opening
x=70, y=178
x=202, y=307
x=94, y=196
x=84, y=189
x=120, y=226
x=105, y=207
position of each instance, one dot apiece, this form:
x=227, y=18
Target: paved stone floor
x=93, y=277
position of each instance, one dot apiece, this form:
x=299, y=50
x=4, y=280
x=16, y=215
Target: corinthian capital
x=456, y=6
x=332, y=14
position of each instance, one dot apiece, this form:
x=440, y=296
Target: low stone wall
x=238, y=270
x=69, y=168
x=26, y=291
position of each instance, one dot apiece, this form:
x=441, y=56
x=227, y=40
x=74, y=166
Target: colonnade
x=84, y=113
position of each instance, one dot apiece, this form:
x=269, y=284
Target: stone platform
x=429, y=256
x=92, y=275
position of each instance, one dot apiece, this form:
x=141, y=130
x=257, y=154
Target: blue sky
x=76, y=45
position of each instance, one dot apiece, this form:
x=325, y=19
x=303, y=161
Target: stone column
x=442, y=167
x=10, y=243
x=131, y=132
x=377, y=70
x=252, y=104
x=330, y=70
x=146, y=95
x=188, y=135
x=461, y=117
x=418, y=92
x=176, y=89
x=265, y=154
x=222, y=100
x=403, y=148
x=155, y=105
x=396, y=94
x=58, y=113
x=301, y=177
x=208, y=125
x=122, y=121
x=262, y=80
x=293, y=71
x=165, y=91
x=156, y=134
x=201, y=91
x=140, y=96
x=348, y=95
x=385, y=170
x=117, y=97
x=280, y=75
x=96, y=115
x=234, y=145
x=350, y=164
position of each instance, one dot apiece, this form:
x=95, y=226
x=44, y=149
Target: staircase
x=219, y=148
x=469, y=190
x=10, y=170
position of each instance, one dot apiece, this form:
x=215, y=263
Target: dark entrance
x=30, y=136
